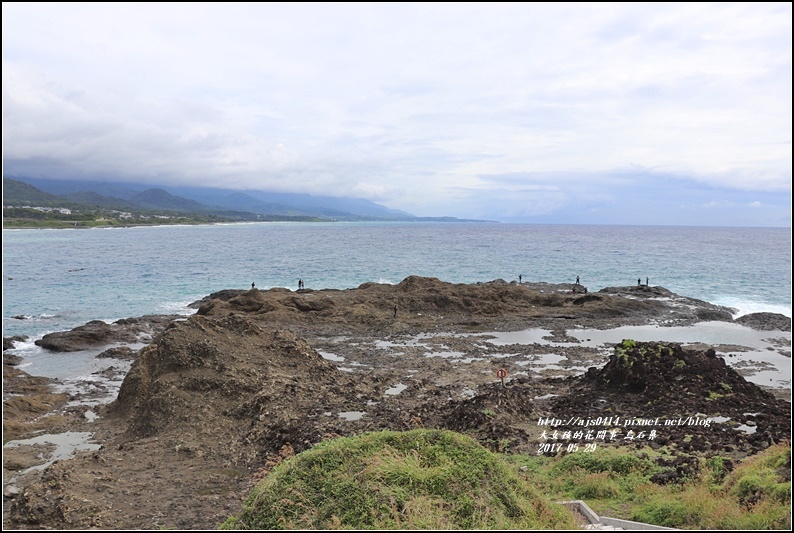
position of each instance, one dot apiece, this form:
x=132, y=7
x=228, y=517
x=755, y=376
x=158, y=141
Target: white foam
x=746, y=307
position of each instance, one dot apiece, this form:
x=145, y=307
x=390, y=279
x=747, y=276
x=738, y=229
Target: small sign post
x=501, y=374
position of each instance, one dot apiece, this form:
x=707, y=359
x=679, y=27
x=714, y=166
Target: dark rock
x=120, y=352
x=224, y=295
x=665, y=381
x=232, y=383
x=766, y=321
x=425, y=303
x=11, y=360
x=640, y=290
x=97, y=333
x=9, y=342
x=708, y=315
x=90, y=335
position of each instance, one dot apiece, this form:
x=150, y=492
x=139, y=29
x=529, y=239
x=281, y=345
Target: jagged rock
x=228, y=387
x=120, y=352
x=432, y=304
x=10, y=342
x=667, y=382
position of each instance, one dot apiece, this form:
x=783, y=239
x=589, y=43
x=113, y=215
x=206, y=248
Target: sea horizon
x=63, y=278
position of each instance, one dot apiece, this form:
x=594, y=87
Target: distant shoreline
x=445, y=220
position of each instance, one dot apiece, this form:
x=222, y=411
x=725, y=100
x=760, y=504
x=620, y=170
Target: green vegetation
x=421, y=479
x=622, y=352
x=425, y=479
x=25, y=206
x=617, y=483
x=622, y=349
x=17, y=217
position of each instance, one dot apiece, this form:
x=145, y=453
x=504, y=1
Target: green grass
x=427, y=479
x=756, y=494
x=421, y=479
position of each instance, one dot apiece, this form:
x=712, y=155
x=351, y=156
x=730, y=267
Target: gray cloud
x=509, y=111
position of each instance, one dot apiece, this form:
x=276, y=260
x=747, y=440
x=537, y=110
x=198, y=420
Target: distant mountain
x=210, y=200
x=19, y=194
x=291, y=203
x=160, y=199
x=358, y=206
x=125, y=191
x=244, y=202
x=97, y=200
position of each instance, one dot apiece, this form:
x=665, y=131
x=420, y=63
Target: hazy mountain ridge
x=48, y=192
x=24, y=193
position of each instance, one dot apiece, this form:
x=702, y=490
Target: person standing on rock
x=252, y=285
x=519, y=278
x=646, y=281
x=639, y=282
x=395, y=312
x=577, y=280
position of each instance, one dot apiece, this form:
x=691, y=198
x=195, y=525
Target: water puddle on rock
x=331, y=357
x=351, y=415
x=397, y=389
x=66, y=444
x=762, y=357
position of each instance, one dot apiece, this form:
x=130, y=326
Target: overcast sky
x=570, y=113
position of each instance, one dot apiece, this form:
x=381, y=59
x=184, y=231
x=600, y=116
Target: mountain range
x=242, y=205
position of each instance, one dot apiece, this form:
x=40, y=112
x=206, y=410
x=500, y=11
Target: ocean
x=54, y=280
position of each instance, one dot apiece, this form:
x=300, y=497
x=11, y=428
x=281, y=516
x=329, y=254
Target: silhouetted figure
x=519, y=278
x=577, y=280
x=395, y=312
x=639, y=282
x=646, y=282
x=252, y=285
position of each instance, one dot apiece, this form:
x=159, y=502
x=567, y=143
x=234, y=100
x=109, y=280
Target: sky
x=596, y=113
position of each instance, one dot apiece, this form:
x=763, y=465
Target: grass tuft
x=398, y=480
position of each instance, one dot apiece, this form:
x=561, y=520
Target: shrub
x=397, y=480
x=669, y=513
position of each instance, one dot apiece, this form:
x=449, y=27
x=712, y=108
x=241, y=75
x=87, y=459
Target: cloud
x=509, y=110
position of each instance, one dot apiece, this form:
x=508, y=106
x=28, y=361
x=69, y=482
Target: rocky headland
x=212, y=401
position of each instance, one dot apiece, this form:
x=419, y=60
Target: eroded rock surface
x=766, y=321
x=97, y=333
x=429, y=304
x=215, y=400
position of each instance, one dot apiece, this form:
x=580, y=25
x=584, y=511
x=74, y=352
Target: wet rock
x=11, y=491
x=429, y=304
x=121, y=352
x=682, y=389
x=11, y=359
x=766, y=321
x=210, y=402
x=10, y=342
x=97, y=333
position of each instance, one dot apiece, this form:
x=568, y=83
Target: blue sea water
x=59, y=279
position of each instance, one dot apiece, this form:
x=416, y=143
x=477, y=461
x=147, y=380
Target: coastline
x=431, y=363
